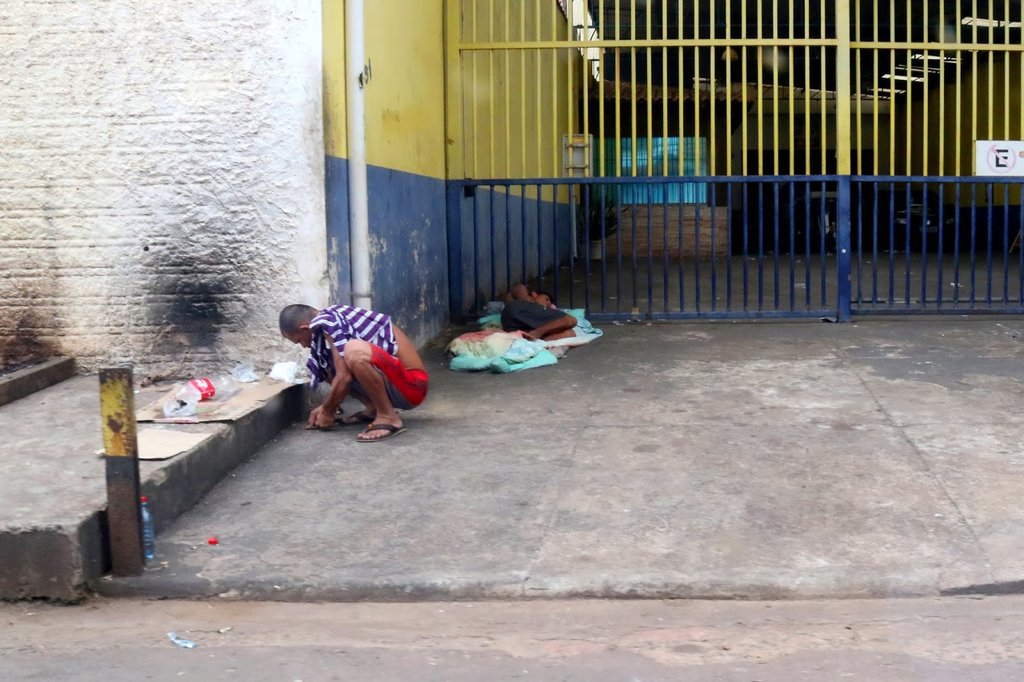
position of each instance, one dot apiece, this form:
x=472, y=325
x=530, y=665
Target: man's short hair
x=294, y=316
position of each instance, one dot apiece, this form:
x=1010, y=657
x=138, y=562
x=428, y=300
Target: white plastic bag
x=285, y=371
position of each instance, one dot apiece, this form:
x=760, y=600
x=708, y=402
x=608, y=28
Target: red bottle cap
x=212, y=541
x=144, y=498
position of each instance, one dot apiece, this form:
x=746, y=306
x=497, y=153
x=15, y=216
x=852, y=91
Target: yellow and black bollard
x=117, y=412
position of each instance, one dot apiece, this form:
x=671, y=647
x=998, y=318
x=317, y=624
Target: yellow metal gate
x=674, y=158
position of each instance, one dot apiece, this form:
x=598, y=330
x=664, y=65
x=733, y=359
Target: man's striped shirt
x=341, y=323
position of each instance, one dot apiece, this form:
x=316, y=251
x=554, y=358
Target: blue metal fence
x=761, y=246
x=937, y=244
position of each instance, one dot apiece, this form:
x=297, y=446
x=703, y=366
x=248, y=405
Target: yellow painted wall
x=405, y=98
x=515, y=104
x=334, y=78
x=405, y=95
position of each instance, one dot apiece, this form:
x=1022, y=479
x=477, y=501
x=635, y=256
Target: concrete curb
x=27, y=381
x=514, y=588
x=61, y=562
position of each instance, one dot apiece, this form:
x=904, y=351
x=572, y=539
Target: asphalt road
x=955, y=639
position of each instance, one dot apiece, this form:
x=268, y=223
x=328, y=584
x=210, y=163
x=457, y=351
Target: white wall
x=161, y=179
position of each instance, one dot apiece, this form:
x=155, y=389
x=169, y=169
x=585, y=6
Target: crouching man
x=360, y=352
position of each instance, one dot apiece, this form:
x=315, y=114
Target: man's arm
x=322, y=416
x=550, y=329
x=407, y=353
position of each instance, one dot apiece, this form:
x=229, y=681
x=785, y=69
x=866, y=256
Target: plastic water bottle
x=184, y=402
x=225, y=387
x=148, y=536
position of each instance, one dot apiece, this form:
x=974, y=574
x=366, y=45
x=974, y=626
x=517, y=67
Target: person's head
x=294, y=323
x=542, y=297
x=520, y=293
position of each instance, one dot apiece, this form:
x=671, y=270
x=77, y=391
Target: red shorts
x=406, y=387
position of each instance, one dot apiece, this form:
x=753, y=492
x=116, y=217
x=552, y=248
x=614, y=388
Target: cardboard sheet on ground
x=157, y=443
x=237, y=406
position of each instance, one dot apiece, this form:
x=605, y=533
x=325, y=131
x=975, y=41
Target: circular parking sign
x=1001, y=159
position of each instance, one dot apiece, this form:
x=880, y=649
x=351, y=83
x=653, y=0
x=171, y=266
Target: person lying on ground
x=362, y=353
x=521, y=292
x=543, y=298
x=536, y=321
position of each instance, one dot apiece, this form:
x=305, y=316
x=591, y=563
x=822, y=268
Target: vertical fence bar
x=974, y=233
x=823, y=219
x=714, y=243
x=491, y=228
x=775, y=250
x=682, y=270
x=807, y=93
x=508, y=237
x=524, y=167
x=745, y=146
x=807, y=221
x=941, y=246
x=746, y=246
x=760, y=243
x=924, y=245
x=989, y=198
x=664, y=247
x=730, y=249
x=696, y=257
x=1006, y=242
x=942, y=106
x=538, y=58
x=473, y=57
x=554, y=241
x=892, y=90
x=956, y=242
x=792, y=243
x=491, y=127
x=506, y=58
x=713, y=102
x=908, y=250
x=475, y=236
x=1020, y=227
x=455, y=265
x=908, y=170
x=728, y=53
x=892, y=245
x=874, y=240
x=540, y=232
x=524, y=273
x=857, y=248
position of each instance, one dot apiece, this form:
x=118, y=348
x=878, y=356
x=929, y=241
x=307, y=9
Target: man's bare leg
x=359, y=359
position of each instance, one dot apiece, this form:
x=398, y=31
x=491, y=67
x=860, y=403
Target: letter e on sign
x=999, y=157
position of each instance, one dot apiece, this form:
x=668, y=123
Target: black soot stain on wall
x=21, y=342
x=190, y=299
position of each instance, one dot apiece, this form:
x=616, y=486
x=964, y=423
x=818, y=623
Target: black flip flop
x=391, y=429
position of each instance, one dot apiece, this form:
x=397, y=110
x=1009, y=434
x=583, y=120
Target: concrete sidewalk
x=53, y=535
x=724, y=460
